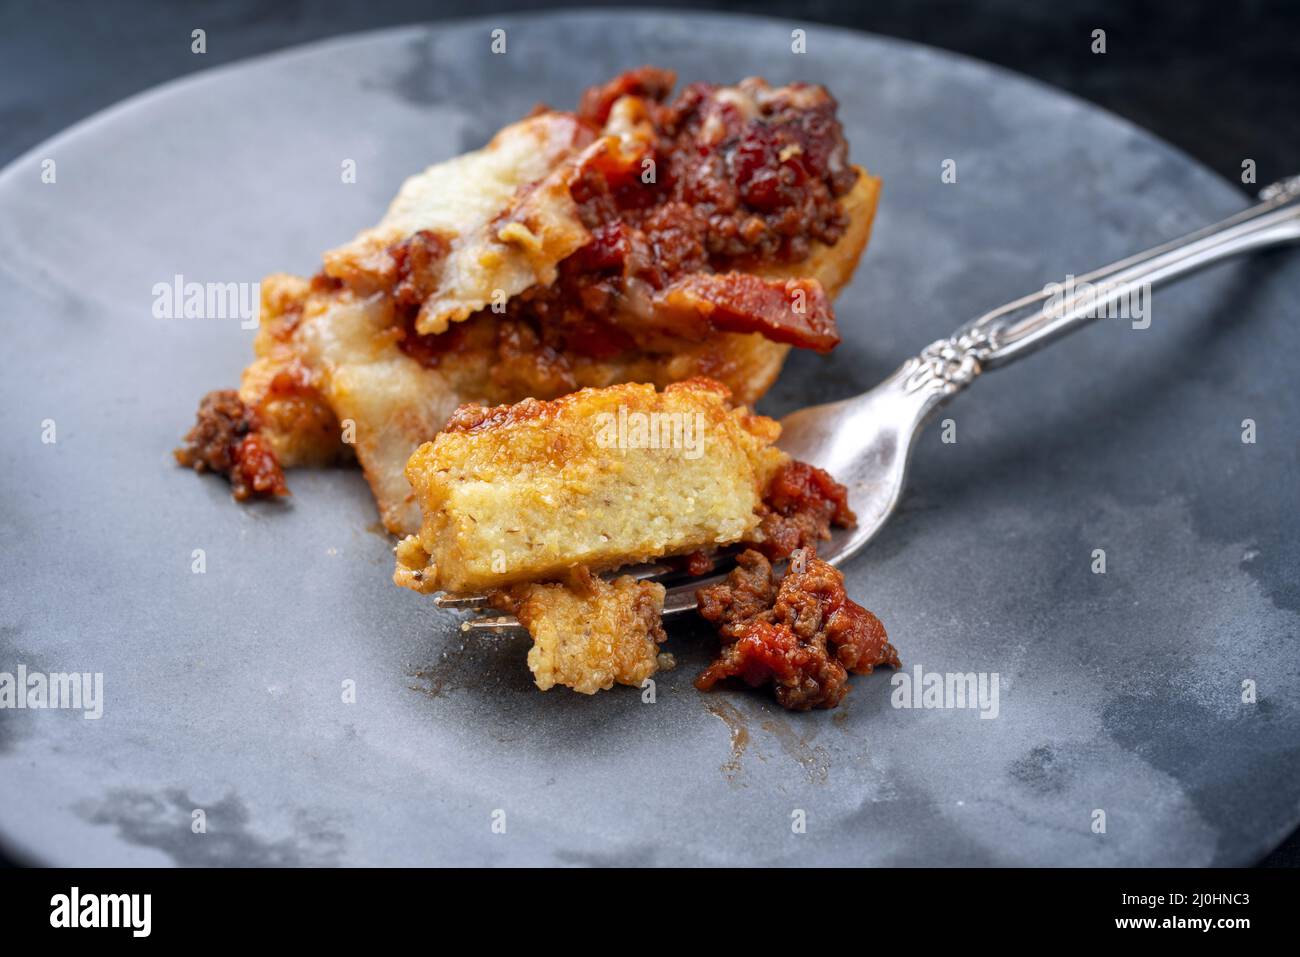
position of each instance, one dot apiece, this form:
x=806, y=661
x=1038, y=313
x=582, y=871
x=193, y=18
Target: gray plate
x=1119, y=692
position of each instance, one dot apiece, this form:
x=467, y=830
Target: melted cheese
x=505, y=209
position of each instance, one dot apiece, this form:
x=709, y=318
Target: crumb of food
x=588, y=633
x=801, y=633
x=225, y=440
x=800, y=505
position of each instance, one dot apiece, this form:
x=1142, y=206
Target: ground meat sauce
x=740, y=181
x=225, y=440
x=699, y=564
x=528, y=363
x=802, y=634
x=800, y=505
x=418, y=266
x=417, y=262
x=731, y=188
x=429, y=350
x=648, y=82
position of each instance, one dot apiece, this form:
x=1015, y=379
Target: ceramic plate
x=1161, y=694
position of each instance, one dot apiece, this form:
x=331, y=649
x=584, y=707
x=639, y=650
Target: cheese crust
x=500, y=243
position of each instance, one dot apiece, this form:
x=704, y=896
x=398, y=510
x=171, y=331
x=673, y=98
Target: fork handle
x=1031, y=322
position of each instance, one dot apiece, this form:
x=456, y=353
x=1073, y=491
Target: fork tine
x=460, y=601
x=639, y=572
x=642, y=572
x=498, y=625
x=680, y=597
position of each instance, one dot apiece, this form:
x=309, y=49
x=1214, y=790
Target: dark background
x=1220, y=80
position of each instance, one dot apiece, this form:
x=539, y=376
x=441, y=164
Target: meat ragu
x=225, y=440
x=801, y=504
x=718, y=182
x=801, y=633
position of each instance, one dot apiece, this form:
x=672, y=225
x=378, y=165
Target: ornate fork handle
x=949, y=365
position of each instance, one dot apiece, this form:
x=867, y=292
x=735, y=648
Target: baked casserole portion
x=642, y=237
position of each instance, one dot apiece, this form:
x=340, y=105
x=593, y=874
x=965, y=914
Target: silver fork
x=866, y=442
